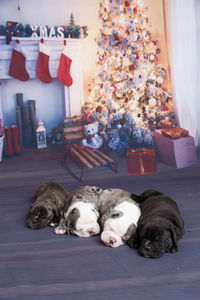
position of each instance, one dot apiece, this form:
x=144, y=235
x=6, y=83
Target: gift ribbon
x=141, y=150
x=141, y=163
x=140, y=157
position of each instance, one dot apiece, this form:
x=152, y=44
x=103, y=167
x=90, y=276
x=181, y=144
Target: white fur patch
x=115, y=228
x=86, y=224
x=59, y=230
x=53, y=224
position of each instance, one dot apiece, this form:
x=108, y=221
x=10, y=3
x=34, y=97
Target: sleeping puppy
x=160, y=225
x=50, y=199
x=119, y=216
x=81, y=218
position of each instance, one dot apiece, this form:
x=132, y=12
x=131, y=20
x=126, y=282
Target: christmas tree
x=127, y=95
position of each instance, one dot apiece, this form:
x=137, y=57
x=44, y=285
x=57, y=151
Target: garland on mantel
x=15, y=29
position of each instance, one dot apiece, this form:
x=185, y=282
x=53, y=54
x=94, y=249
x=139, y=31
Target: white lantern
x=41, y=136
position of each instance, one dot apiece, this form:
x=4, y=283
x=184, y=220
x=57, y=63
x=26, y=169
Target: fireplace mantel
x=30, y=46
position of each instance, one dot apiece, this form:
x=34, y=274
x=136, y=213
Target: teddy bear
x=92, y=138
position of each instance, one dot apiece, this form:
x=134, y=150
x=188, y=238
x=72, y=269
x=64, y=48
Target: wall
x=50, y=97
x=157, y=17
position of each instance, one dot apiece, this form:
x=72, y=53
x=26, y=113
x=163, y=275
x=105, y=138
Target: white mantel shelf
x=30, y=47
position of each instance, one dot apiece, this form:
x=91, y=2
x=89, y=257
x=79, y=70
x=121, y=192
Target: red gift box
x=166, y=124
x=175, y=132
x=141, y=161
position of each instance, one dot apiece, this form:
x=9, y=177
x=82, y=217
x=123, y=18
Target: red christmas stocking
x=64, y=68
x=43, y=63
x=17, y=67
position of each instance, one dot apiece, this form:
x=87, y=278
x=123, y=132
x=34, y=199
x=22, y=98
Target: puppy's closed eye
x=115, y=215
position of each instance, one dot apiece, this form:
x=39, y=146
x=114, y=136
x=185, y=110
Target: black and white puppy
x=81, y=218
x=160, y=225
x=119, y=216
x=50, y=200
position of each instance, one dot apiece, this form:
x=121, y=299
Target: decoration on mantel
x=15, y=29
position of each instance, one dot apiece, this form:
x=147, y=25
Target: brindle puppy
x=50, y=200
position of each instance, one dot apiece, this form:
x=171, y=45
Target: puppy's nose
x=91, y=231
x=112, y=240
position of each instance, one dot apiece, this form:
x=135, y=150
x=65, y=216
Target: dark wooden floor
x=40, y=265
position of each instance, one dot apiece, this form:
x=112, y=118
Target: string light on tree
x=129, y=83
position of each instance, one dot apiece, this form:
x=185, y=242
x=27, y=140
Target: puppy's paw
x=53, y=224
x=173, y=249
x=59, y=230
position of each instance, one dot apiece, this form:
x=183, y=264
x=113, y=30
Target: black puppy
x=159, y=227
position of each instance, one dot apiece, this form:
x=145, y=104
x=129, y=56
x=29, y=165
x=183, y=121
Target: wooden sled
x=83, y=157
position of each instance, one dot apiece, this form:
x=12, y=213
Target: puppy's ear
x=40, y=211
x=71, y=220
x=133, y=241
x=130, y=232
x=56, y=216
x=174, y=247
x=136, y=198
x=150, y=193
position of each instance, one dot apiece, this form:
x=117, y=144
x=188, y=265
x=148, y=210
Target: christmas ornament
x=64, y=68
x=159, y=80
x=152, y=102
x=42, y=68
x=126, y=100
x=114, y=88
x=17, y=68
x=152, y=57
x=99, y=109
x=158, y=50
